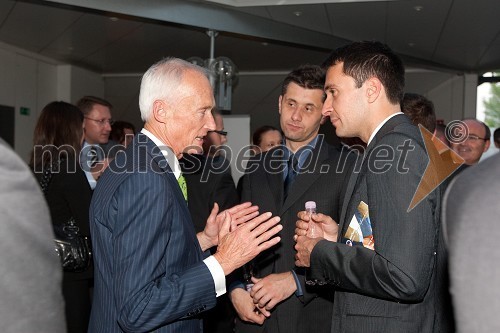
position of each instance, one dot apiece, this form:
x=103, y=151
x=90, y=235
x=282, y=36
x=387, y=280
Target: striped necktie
x=92, y=155
x=292, y=165
x=182, y=184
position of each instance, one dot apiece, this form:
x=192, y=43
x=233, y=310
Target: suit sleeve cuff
x=90, y=179
x=217, y=274
x=298, y=292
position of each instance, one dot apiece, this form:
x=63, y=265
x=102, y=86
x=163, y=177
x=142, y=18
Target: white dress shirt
x=380, y=126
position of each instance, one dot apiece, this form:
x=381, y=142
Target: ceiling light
x=224, y=74
x=418, y=8
x=297, y=13
x=113, y=18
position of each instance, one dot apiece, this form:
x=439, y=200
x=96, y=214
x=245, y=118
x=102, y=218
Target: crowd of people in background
x=177, y=247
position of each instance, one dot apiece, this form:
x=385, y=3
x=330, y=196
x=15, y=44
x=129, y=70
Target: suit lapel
x=349, y=191
x=159, y=164
x=361, y=167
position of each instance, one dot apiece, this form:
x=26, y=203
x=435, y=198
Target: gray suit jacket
x=471, y=212
x=149, y=273
x=30, y=292
x=323, y=180
x=397, y=287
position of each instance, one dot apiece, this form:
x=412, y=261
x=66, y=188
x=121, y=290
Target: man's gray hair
x=161, y=82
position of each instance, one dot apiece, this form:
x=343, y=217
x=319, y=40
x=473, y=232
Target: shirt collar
x=302, y=153
x=172, y=160
x=382, y=123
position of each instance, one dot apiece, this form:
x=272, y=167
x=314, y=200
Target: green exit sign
x=24, y=111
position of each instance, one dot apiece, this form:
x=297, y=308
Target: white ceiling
x=438, y=39
x=116, y=36
x=251, y=3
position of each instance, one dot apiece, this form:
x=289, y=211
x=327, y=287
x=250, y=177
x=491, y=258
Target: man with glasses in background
x=97, y=122
x=477, y=142
x=208, y=181
x=215, y=139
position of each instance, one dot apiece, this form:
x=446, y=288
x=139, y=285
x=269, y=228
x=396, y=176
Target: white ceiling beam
x=252, y=3
x=211, y=17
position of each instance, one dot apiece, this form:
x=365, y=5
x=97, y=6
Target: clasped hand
x=266, y=293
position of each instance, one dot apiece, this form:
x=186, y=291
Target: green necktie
x=183, y=186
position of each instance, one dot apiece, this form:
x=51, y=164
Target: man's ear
x=160, y=111
x=373, y=89
x=486, y=145
x=279, y=103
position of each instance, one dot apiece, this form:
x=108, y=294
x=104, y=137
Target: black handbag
x=74, y=250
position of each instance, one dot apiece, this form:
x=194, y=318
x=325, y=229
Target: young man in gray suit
x=31, y=292
x=470, y=218
x=384, y=260
x=150, y=269
x=279, y=300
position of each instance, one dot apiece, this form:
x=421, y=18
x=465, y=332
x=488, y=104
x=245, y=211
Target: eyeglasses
x=474, y=138
x=102, y=122
x=219, y=132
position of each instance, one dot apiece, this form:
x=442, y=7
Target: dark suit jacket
x=398, y=286
x=148, y=261
x=208, y=181
x=323, y=180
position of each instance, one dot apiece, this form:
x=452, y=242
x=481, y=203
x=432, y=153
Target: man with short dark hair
x=384, y=260
x=420, y=110
x=281, y=180
x=496, y=137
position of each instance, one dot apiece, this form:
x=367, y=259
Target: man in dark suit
x=208, y=176
x=149, y=268
x=284, y=302
x=97, y=148
x=384, y=259
x=209, y=181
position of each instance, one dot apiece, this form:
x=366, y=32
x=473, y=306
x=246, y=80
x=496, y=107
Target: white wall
x=238, y=140
x=85, y=82
x=28, y=80
x=454, y=98
x=25, y=82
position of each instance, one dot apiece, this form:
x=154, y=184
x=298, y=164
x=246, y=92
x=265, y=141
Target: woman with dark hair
x=266, y=137
x=57, y=143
